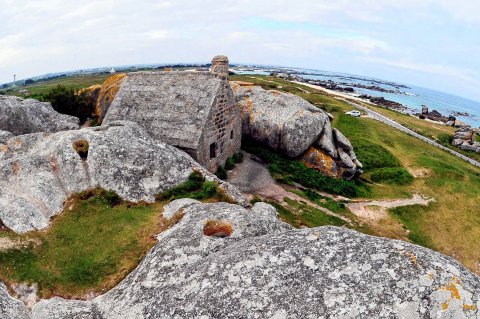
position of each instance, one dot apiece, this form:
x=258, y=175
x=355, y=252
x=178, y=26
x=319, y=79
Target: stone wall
x=223, y=129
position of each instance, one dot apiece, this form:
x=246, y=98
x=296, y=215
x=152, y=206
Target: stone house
x=194, y=111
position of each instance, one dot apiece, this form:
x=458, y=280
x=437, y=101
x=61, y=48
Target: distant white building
x=112, y=70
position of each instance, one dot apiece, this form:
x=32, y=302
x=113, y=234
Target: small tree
x=69, y=101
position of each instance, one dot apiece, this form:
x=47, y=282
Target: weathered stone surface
x=20, y=116
x=107, y=94
x=11, y=308
x=4, y=136
x=457, y=142
x=342, y=141
x=194, y=111
x=291, y=125
x=266, y=269
x=317, y=159
x=39, y=171
x=285, y=122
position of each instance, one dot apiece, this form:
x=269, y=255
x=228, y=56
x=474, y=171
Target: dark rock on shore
x=384, y=102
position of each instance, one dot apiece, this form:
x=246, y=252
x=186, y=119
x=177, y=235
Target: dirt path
x=254, y=179
x=375, y=213
x=7, y=243
x=377, y=209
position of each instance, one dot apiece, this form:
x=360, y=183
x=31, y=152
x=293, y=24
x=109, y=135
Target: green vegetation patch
x=90, y=247
x=288, y=170
x=392, y=175
x=410, y=217
x=70, y=101
x=96, y=242
x=195, y=187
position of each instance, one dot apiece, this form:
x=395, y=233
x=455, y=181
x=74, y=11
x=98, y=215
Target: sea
x=411, y=96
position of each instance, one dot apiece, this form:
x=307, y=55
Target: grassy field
x=94, y=243
x=37, y=90
x=452, y=223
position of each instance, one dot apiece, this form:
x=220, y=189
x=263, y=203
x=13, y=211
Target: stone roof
x=173, y=106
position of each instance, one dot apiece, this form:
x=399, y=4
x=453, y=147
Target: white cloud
x=55, y=35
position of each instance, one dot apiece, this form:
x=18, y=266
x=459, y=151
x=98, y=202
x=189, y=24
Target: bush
x=445, y=139
x=221, y=173
x=230, y=164
x=69, y=101
x=195, y=187
x=238, y=157
x=392, y=175
x=289, y=170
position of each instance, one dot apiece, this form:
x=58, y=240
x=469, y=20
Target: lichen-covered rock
x=38, y=172
x=11, y=308
x=317, y=159
x=285, y=122
x=291, y=125
x=20, y=116
x=4, y=136
x=266, y=269
x=107, y=94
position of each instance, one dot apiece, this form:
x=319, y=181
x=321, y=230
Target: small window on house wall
x=213, y=150
x=231, y=134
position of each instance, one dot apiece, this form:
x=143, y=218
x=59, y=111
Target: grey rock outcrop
x=293, y=126
x=20, y=116
x=38, y=172
x=11, y=308
x=4, y=136
x=465, y=138
x=266, y=269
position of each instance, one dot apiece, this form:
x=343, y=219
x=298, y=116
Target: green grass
x=453, y=226
x=39, y=89
x=304, y=215
x=392, y=175
x=288, y=170
x=333, y=205
x=95, y=243
x=409, y=216
x=195, y=187
x=89, y=248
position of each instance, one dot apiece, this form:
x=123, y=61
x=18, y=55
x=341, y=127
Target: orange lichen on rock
x=469, y=307
x=322, y=162
x=217, y=228
x=454, y=292
x=107, y=93
x=275, y=92
x=413, y=258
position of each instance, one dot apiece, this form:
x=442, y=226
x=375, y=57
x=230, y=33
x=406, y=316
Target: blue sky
x=431, y=43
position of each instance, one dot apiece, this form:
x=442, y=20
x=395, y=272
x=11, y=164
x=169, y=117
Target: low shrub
x=69, y=101
x=221, y=173
x=230, y=164
x=392, y=175
x=445, y=139
x=238, y=157
x=289, y=170
x=195, y=187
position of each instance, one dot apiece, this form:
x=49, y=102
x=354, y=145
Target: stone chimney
x=220, y=66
